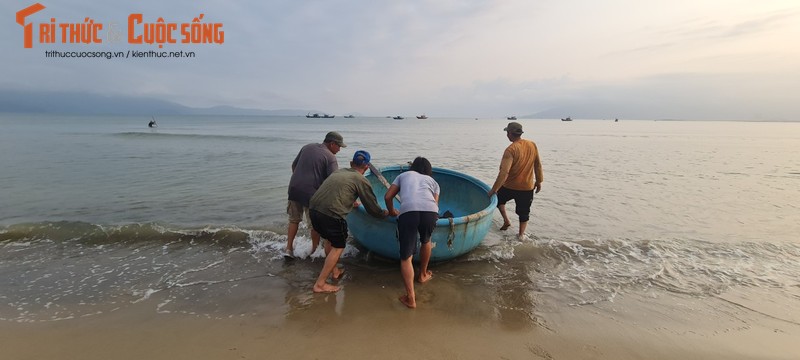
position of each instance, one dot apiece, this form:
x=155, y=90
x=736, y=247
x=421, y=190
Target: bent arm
x=502, y=175
x=333, y=165
x=537, y=171
x=389, y=199
x=296, y=158
x=369, y=200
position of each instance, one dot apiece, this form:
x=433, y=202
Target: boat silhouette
x=318, y=116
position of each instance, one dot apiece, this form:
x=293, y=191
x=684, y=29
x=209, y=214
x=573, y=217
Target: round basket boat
x=464, y=196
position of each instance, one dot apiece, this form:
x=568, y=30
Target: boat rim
x=446, y=221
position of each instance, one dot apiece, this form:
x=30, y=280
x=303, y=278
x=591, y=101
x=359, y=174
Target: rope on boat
x=452, y=235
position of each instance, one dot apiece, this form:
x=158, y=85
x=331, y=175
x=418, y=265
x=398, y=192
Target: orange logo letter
x=21, y=15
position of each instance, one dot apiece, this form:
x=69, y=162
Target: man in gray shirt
x=312, y=165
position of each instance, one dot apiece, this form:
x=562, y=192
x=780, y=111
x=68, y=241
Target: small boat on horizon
x=512, y=118
x=568, y=118
x=398, y=117
x=423, y=116
x=318, y=116
x=349, y=116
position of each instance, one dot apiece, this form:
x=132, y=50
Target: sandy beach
x=268, y=318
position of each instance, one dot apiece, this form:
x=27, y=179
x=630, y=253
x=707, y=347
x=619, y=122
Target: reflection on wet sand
x=469, y=292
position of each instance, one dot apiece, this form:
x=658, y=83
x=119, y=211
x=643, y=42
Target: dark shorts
x=413, y=223
x=522, y=198
x=329, y=228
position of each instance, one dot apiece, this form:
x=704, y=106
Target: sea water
x=101, y=212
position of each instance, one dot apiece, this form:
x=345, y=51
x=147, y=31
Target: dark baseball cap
x=335, y=137
x=514, y=128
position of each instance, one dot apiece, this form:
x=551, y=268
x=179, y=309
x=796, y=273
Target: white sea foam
x=143, y=295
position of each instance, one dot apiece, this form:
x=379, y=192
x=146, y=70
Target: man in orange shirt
x=515, y=181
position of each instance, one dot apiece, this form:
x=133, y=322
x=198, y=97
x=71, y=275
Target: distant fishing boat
x=567, y=119
x=462, y=196
x=349, y=116
x=398, y=117
x=512, y=118
x=423, y=116
x=318, y=116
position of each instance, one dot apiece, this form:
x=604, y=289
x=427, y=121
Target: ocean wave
x=87, y=233
x=60, y=270
x=63, y=270
x=599, y=270
x=591, y=270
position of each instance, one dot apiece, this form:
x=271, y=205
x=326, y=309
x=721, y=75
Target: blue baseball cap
x=361, y=157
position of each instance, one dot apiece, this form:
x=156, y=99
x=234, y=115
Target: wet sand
x=270, y=318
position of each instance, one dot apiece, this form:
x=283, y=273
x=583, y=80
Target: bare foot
x=325, y=288
x=425, y=277
x=337, y=273
x=408, y=302
x=505, y=226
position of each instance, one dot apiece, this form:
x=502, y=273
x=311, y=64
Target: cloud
x=761, y=24
x=454, y=58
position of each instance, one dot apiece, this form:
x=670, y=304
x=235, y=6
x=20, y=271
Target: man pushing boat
x=328, y=211
x=312, y=165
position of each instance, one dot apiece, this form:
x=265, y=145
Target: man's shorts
x=522, y=198
x=297, y=212
x=329, y=228
x=413, y=223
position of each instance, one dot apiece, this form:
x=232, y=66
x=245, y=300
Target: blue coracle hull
x=463, y=195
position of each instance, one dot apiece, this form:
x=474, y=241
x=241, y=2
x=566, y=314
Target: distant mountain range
x=81, y=103
x=52, y=102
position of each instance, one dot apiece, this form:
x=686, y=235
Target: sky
x=645, y=59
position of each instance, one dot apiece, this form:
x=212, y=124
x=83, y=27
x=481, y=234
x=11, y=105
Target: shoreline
x=365, y=321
